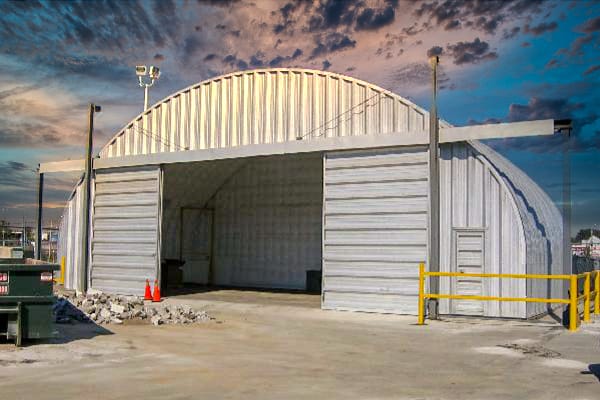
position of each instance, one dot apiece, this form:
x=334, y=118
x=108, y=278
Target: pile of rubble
x=103, y=308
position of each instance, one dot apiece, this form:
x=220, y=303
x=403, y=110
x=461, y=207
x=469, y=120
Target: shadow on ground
x=593, y=369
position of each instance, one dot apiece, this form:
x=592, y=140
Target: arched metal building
x=256, y=177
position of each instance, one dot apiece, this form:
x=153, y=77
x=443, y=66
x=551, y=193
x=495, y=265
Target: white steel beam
x=497, y=131
x=447, y=135
x=62, y=166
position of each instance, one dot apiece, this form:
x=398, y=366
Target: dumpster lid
x=26, y=264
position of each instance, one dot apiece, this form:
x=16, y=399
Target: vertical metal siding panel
x=493, y=249
x=292, y=108
x=239, y=116
x=317, y=107
x=225, y=104
x=281, y=95
x=445, y=221
x=258, y=130
x=459, y=185
x=374, y=239
x=174, y=117
x=184, y=116
x=213, y=95
x=194, y=119
x=475, y=212
x=245, y=114
x=205, y=113
x=268, y=109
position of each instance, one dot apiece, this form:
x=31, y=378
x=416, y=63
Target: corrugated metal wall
x=474, y=196
x=266, y=106
x=541, y=223
x=268, y=223
x=190, y=185
x=375, y=229
x=125, y=230
x=70, y=239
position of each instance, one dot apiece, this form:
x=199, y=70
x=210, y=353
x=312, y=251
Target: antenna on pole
x=153, y=73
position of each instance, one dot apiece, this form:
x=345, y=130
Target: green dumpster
x=26, y=299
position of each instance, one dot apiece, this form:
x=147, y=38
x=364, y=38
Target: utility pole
x=434, y=193
x=38, y=241
x=85, y=245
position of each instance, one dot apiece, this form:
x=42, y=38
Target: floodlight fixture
x=141, y=70
x=153, y=72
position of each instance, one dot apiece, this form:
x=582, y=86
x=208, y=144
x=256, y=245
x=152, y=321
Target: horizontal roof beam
x=497, y=131
x=62, y=166
x=447, y=135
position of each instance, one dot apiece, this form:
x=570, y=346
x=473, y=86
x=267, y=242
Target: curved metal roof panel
x=266, y=106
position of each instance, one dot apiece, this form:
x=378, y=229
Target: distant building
x=591, y=245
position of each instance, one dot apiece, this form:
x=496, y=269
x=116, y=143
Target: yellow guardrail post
x=597, y=296
x=586, y=298
x=573, y=304
x=421, y=320
x=62, y=270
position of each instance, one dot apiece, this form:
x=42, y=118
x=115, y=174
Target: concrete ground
x=281, y=346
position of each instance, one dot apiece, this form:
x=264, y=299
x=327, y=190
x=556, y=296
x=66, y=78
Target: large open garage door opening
x=251, y=223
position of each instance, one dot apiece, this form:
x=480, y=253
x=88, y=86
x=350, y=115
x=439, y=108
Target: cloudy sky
x=500, y=61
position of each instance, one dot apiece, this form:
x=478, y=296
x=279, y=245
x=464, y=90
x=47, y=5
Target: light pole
x=85, y=245
x=434, y=191
x=153, y=73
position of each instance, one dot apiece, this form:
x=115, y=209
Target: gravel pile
x=104, y=309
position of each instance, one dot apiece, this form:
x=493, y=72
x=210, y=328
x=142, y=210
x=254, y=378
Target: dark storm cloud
x=435, y=51
x=332, y=42
x=510, y=33
x=576, y=48
x=333, y=14
x=541, y=28
x=326, y=65
x=210, y=57
x=98, y=28
x=373, y=19
x=256, y=60
x=218, y=3
x=552, y=108
x=482, y=15
x=280, y=60
x=451, y=25
x=590, y=26
x=412, y=74
x=592, y=69
x=471, y=52
x=29, y=134
x=15, y=173
x=540, y=108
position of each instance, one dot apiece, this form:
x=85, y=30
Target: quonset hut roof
x=266, y=106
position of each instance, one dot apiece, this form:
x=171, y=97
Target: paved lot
x=281, y=346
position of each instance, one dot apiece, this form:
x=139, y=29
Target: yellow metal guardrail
x=572, y=301
x=61, y=279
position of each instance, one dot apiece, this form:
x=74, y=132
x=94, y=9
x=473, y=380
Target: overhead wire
x=322, y=128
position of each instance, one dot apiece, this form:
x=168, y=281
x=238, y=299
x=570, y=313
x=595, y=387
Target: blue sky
x=500, y=61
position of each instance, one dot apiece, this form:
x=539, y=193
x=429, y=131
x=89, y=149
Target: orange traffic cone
x=156, y=296
x=148, y=293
